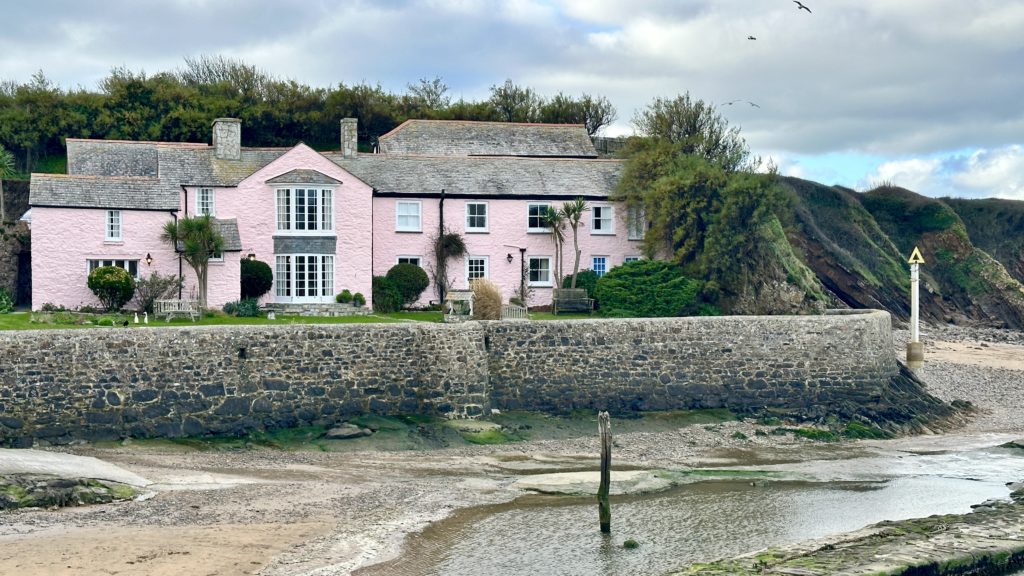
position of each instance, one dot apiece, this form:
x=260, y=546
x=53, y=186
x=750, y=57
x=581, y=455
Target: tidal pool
x=547, y=535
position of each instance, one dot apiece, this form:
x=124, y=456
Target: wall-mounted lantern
x=149, y=259
x=252, y=256
x=508, y=258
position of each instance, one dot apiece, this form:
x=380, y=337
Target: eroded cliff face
x=858, y=245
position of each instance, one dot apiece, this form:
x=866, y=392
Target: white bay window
x=305, y=210
x=304, y=278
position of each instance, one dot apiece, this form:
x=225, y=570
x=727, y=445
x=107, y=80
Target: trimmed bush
x=386, y=297
x=648, y=288
x=112, y=285
x=358, y=299
x=257, y=278
x=343, y=297
x=244, y=308
x=410, y=280
x=486, y=300
x=586, y=279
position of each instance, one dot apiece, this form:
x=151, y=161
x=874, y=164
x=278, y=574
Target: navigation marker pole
x=915, y=349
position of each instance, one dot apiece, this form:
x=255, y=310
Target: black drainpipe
x=440, y=235
x=522, y=274
x=180, y=269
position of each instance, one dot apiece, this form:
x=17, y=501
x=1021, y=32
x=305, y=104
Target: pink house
x=327, y=221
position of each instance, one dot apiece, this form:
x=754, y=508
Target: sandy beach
x=278, y=513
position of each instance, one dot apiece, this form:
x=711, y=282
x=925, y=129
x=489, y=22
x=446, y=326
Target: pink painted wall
x=507, y=232
x=253, y=204
x=64, y=239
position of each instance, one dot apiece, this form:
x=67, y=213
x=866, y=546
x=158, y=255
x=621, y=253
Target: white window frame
x=125, y=263
x=486, y=217
x=286, y=278
x=593, y=264
x=529, y=272
x=323, y=196
x=408, y=259
x=636, y=223
x=206, y=206
x=629, y=259
x=534, y=229
x=114, y=229
x=398, y=216
x=487, y=267
x=609, y=220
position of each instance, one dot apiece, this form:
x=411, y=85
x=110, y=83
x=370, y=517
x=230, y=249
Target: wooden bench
x=571, y=300
x=171, y=308
x=513, y=312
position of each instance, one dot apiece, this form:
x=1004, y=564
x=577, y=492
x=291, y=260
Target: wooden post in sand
x=604, y=508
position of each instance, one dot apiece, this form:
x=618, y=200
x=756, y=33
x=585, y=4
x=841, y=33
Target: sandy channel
x=277, y=513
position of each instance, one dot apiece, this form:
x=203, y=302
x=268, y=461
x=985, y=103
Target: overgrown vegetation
x=244, y=308
x=154, y=287
x=180, y=105
x=647, y=288
x=386, y=297
x=486, y=299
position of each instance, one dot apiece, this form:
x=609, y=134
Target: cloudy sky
x=927, y=94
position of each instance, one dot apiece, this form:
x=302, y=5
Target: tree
x=647, y=288
x=695, y=127
x=6, y=171
x=572, y=212
x=555, y=220
x=411, y=281
x=256, y=278
x=196, y=239
x=431, y=94
x=593, y=112
x=516, y=103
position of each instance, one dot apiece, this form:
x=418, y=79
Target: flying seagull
x=751, y=38
x=731, y=102
x=800, y=6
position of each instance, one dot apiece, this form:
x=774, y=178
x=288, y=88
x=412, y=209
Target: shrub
x=410, y=280
x=257, y=278
x=586, y=279
x=148, y=290
x=386, y=297
x=244, y=308
x=648, y=288
x=486, y=299
x=6, y=302
x=358, y=299
x=343, y=297
x=112, y=285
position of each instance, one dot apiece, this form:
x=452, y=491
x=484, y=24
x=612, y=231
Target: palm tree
x=555, y=220
x=6, y=171
x=196, y=239
x=573, y=214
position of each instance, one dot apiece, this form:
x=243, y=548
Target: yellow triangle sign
x=915, y=257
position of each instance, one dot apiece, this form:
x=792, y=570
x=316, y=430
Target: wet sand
x=279, y=513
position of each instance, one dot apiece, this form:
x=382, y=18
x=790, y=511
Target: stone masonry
x=58, y=385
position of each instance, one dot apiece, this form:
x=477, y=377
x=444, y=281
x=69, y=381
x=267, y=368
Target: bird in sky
x=731, y=102
x=800, y=6
x=751, y=38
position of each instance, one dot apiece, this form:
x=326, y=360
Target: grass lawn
x=62, y=320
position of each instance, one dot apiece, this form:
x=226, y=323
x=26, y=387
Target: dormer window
x=304, y=210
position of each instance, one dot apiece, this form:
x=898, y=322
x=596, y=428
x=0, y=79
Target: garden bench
x=171, y=308
x=571, y=300
x=513, y=312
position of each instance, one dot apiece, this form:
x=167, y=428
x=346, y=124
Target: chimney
x=349, y=137
x=227, y=138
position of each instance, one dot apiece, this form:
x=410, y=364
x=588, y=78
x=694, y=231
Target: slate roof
x=303, y=176
x=465, y=138
x=229, y=230
x=485, y=176
x=113, y=192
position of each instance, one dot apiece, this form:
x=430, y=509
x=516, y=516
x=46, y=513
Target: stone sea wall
x=107, y=383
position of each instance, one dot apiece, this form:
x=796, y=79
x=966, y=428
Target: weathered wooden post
x=604, y=508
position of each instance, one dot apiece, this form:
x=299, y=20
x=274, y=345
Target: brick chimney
x=227, y=138
x=349, y=137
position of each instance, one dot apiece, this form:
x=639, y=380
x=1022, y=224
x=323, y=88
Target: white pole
x=915, y=317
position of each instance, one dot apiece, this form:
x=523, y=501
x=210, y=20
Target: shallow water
x=541, y=535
